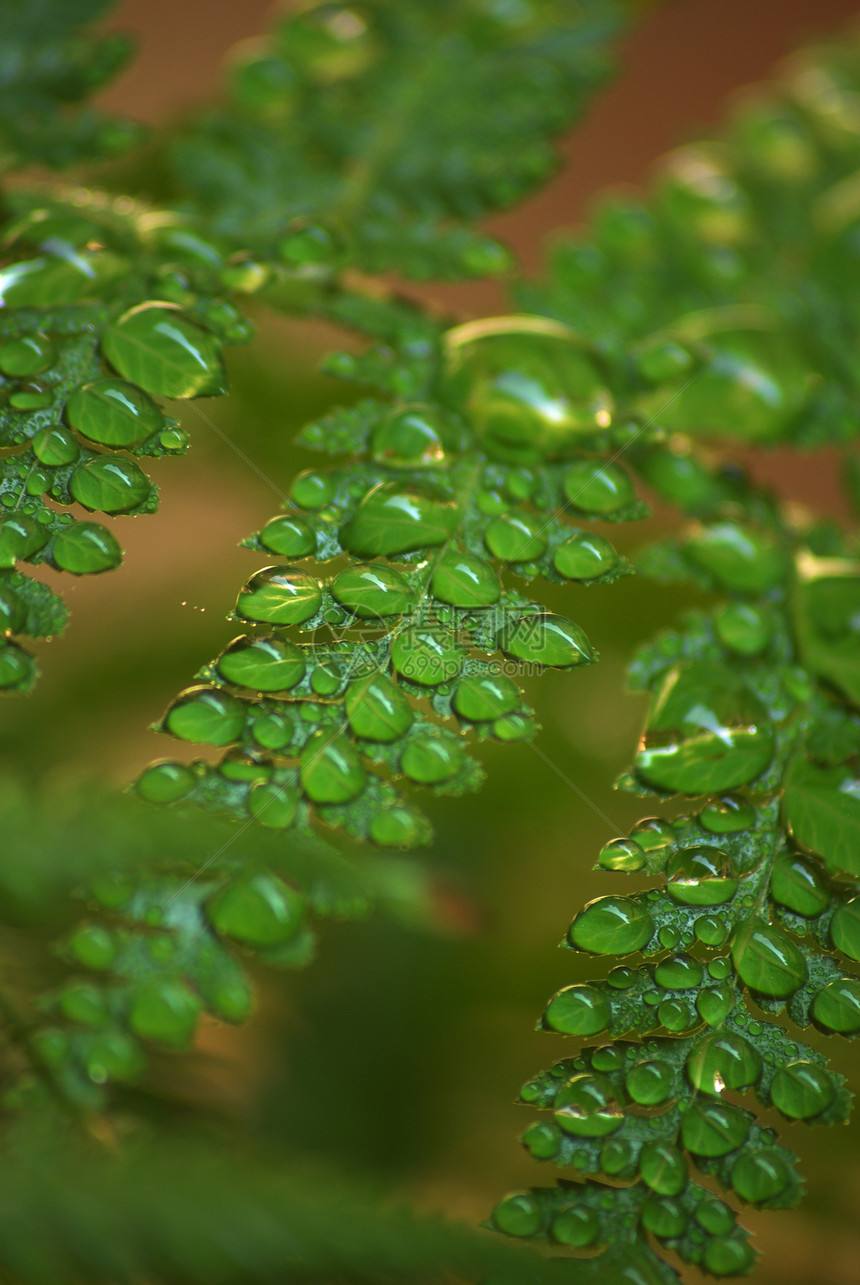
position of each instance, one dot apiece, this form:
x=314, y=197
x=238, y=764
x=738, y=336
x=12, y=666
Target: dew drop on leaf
x=578, y=1010
x=543, y=639
x=802, y=1089
x=585, y=557
x=611, y=926
x=156, y=347
x=377, y=710
x=109, y=485
x=279, y=595
x=586, y=1106
x=165, y=782
x=767, y=960
x=464, y=580
x=113, y=412
x=394, y=519
x=290, y=536
x=594, y=486
x=331, y=769
x=373, y=591
x=85, y=548
x=262, y=664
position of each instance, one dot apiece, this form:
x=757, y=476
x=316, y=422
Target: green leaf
x=827, y=617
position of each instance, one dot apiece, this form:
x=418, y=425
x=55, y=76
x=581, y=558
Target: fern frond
x=751, y=912
x=51, y=64
x=364, y=136
x=106, y=307
x=727, y=297
x=481, y=449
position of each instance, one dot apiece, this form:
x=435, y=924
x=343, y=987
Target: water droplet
x=739, y=559
x=715, y=1217
x=29, y=355
x=653, y=834
x=761, y=1175
x=396, y=828
x=663, y=1168
x=519, y=483
x=528, y=396
x=157, y=348
x=701, y=876
x=802, y=1089
x=594, y=486
x=676, y=1015
x=113, y=413
x=543, y=639
x=377, y=710
x=93, y=946
x=410, y=437
x=797, y=884
x=650, y=1083
x=20, y=538
x=491, y=503
x=85, y=549
x=272, y=731
x=426, y=656
x=679, y=972
x=710, y=931
x=280, y=595
x=621, y=854
x=729, y=1256
x=431, y=761
x=516, y=537
x=611, y=926
x=261, y=664
x=55, y=446
x=518, y=1214
x=204, y=715
x=664, y=1218
x=394, y=519
x=578, y=1010
x=723, y=1061
x=464, y=580
x=584, y=557
x=586, y=1106
x=309, y=244
x=17, y=668
x=743, y=628
x=373, y=591
x=166, y=1012
x=542, y=1140
x=84, y=1003
x=312, y=490
x=706, y=731
x=165, y=782
x=837, y=1006
x=13, y=612
x=483, y=697
x=845, y=928
x=331, y=769
x=713, y=1128
x=727, y=815
x=110, y=485
x=274, y=806
x=256, y=909
x=290, y=536
x=55, y=279
x=767, y=960
x=615, y=1156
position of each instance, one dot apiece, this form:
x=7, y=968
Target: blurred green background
x=399, y=1051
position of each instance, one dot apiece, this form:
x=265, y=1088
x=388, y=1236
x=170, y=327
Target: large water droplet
x=154, y=346
x=795, y=883
x=206, y=716
x=516, y=537
x=768, y=960
x=706, y=731
x=410, y=437
x=279, y=595
x=377, y=710
x=274, y=806
x=331, y=769
x=29, y=355
x=621, y=854
x=802, y=1089
x=464, y=580
x=713, y=1128
x=527, y=395
x=845, y=928
x=518, y=1214
x=394, y=519
x=483, y=697
x=743, y=628
x=578, y=1010
x=373, y=592
x=20, y=537
x=584, y=557
x=54, y=279
x=837, y=1006
x=586, y=1106
x=679, y=972
x=166, y=1012
x=739, y=558
x=723, y=1061
x=396, y=828
x=577, y=1227
x=701, y=876
x=727, y=815
x=543, y=639
x=262, y=664
x=611, y=926
x=663, y=1168
x=290, y=536
x=665, y=1218
x=257, y=909
x=761, y=1175
x=427, y=656
x=431, y=761
x=165, y=782
x=650, y=1083
x=85, y=549
x=109, y=485
x=113, y=413
x=595, y=486
x=55, y=446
